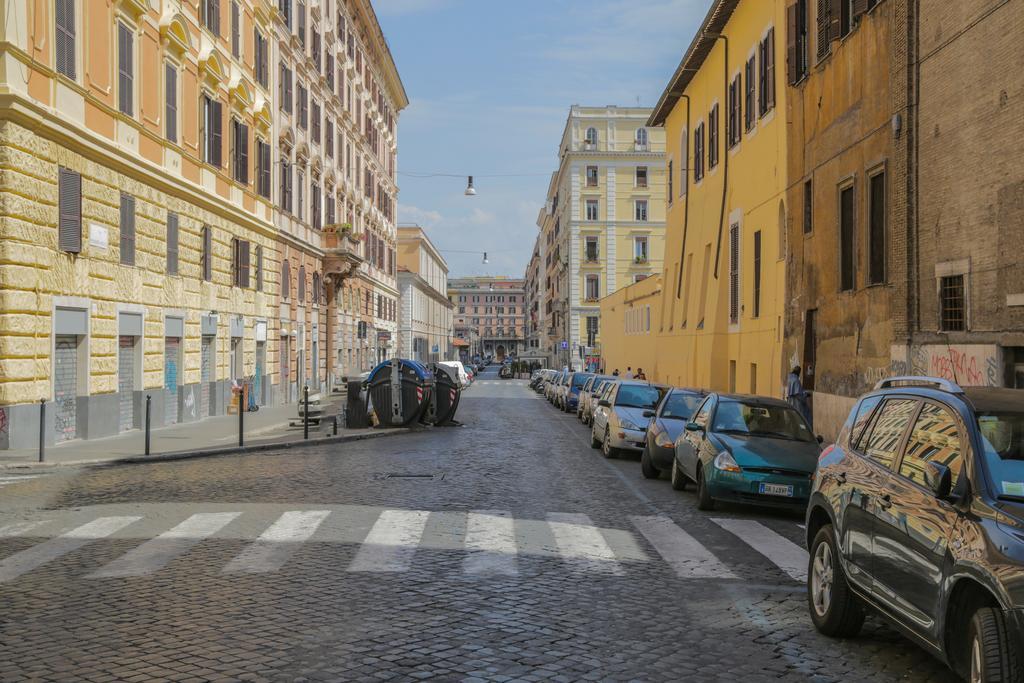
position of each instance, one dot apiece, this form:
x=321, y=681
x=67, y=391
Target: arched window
x=641, y=137
x=591, y=137
x=286, y=279
x=302, y=284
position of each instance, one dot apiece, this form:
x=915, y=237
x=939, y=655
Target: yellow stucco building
x=603, y=225
x=719, y=320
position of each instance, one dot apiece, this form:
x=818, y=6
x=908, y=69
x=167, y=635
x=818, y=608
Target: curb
x=213, y=452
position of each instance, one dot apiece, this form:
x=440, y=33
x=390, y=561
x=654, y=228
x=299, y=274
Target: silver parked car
x=619, y=423
x=585, y=409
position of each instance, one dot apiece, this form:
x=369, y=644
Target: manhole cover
x=385, y=476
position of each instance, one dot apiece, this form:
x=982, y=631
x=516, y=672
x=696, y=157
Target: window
x=592, y=210
x=591, y=137
x=286, y=183
x=641, y=176
x=935, y=438
x=211, y=16
x=592, y=328
x=285, y=87
x=591, y=249
x=240, y=151
x=876, y=229
x=259, y=268
x=684, y=159
x=640, y=209
x=952, y=304
x=845, y=17
x=172, y=243
x=766, y=77
x=300, y=177
x=757, y=274
x=236, y=30
x=285, y=6
x=240, y=263
x=302, y=284
x=750, y=98
x=261, y=59
x=698, y=153
x=314, y=128
x=329, y=70
x=735, y=98
x=314, y=49
x=206, y=256
x=808, y=207
x=593, y=290
x=303, y=106
x=671, y=175
x=887, y=431
x=713, y=137
x=847, y=259
x=171, y=102
x=824, y=28
x=127, y=229
x=263, y=168
x=734, y=274
x=591, y=176
x=64, y=37
x=125, y=70
x=797, y=41
x=211, y=131
x=640, y=250
x=314, y=201
x=300, y=22
x=69, y=219
x=286, y=279
x=641, y=139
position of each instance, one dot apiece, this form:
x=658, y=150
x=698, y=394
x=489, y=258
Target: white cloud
x=425, y=218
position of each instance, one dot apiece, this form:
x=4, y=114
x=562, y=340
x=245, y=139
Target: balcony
x=341, y=251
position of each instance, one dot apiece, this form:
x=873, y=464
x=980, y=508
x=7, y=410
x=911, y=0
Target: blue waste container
x=417, y=386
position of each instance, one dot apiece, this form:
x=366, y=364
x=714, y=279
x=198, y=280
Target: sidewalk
x=269, y=425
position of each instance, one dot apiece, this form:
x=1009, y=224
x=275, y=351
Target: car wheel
x=704, y=499
x=647, y=467
x=834, y=609
x=594, y=441
x=607, y=449
x=678, y=478
x=993, y=658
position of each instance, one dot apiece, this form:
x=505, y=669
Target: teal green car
x=746, y=449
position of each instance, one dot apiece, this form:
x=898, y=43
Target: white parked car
x=460, y=369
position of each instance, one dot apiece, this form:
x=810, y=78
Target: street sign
x=435, y=349
x=565, y=345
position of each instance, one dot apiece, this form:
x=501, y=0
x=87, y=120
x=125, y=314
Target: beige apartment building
x=425, y=312
x=490, y=314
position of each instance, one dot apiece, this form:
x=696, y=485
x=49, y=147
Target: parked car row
x=915, y=513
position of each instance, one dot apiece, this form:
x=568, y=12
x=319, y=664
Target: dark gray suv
x=917, y=512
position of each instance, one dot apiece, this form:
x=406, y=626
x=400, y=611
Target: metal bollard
x=42, y=429
x=149, y=400
x=335, y=425
x=241, y=420
x=305, y=413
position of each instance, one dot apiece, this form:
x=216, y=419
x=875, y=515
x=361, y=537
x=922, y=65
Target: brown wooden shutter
x=127, y=230
x=243, y=276
x=770, y=61
x=125, y=70
x=859, y=8
x=216, y=123
x=824, y=22
x=792, y=59
x=259, y=268
x=235, y=266
x=65, y=37
x=69, y=221
x=286, y=279
x=836, y=16
x=172, y=244
x=207, y=261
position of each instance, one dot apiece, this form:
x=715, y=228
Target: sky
x=490, y=83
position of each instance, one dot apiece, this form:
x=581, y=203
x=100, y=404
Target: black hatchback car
x=917, y=512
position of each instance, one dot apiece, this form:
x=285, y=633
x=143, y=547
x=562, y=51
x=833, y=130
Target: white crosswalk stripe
x=786, y=555
x=38, y=555
x=685, y=554
x=278, y=543
x=156, y=553
x=391, y=543
x=490, y=543
x=493, y=542
x=581, y=544
x=11, y=479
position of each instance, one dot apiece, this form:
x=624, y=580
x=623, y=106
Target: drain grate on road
x=408, y=476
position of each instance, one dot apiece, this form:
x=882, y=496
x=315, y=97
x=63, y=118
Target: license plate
x=776, y=490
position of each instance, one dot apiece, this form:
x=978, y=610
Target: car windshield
x=638, y=396
x=680, y=406
x=579, y=379
x=752, y=419
x=1003, y=442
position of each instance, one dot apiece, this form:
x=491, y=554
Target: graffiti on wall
x=969, y=365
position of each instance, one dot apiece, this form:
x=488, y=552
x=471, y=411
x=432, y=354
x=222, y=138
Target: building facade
x=844, y=228
x=630, y=316
x=138, y=245
x=425, y=331
x=490, y=313
x=535, y=324
x=603, y=226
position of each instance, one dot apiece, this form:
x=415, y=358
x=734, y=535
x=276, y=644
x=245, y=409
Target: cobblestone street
x=505, y=549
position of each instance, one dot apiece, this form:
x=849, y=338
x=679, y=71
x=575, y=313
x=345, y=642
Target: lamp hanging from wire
x=470, y=190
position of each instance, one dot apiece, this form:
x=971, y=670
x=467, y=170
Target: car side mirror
x=648, y=413
x=604, y=403
x=939, y=479
x=821, y=439
x=693, y=427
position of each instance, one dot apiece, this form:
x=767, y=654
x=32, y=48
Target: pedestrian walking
x=629, y=372
x=640, y=374
x=797, y=396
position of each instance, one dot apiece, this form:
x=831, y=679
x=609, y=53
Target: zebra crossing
x=12, y=479
x=493, y=543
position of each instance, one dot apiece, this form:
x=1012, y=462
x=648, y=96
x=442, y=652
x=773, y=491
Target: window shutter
x=207, y=254
x=734, y=273
x=836, y=19
x=127, y=230
x=859, y=8
x=286, y=279
x=259, y=268
x=824, y=25
x=215, y=16
x=770, y=61
x=792, y=64
x=124, y=58
x=65, y=37
x=244, y=262
x=236, y=38
x=215, y=125
x=69, y=223
x=244, y=154
x=172, y=244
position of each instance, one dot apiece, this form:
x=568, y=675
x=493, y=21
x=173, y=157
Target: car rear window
x=578, y=380
x=1003, y=444
x=637, y=396
x=680, y=406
